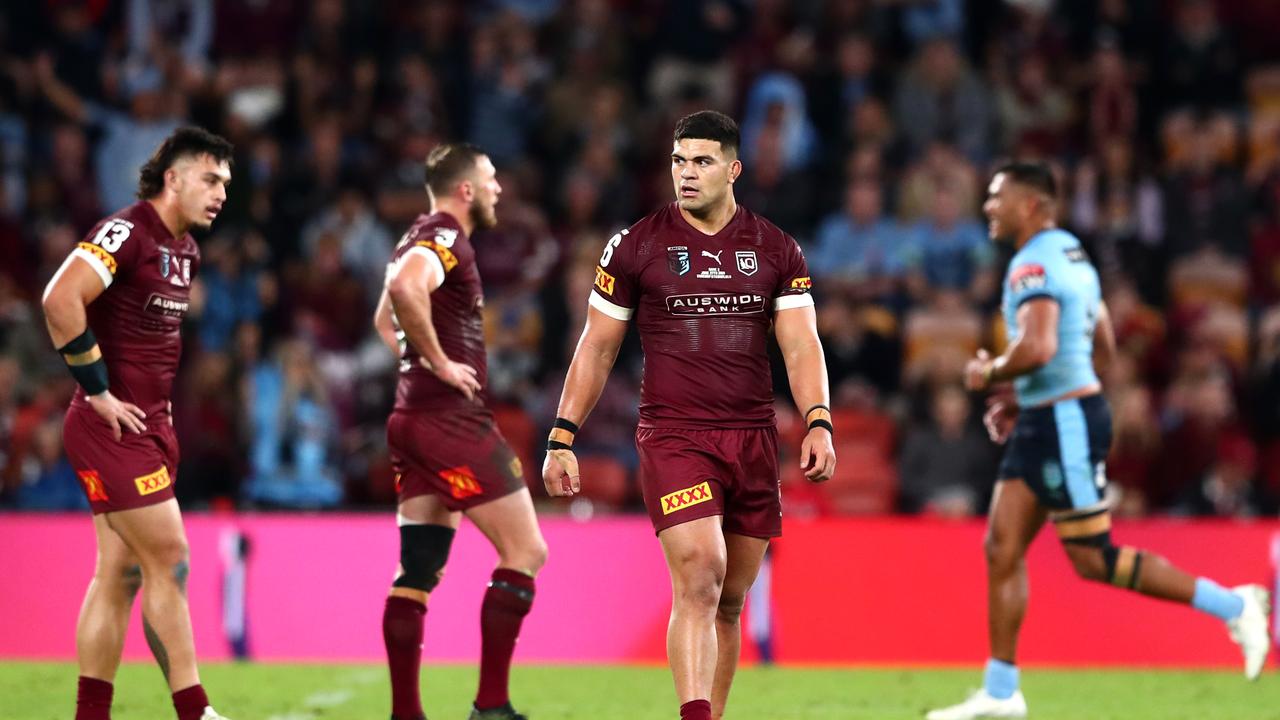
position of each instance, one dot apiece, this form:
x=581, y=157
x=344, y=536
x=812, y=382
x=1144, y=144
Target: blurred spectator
x=365, y=244
x=941, y=98
x=862, y=350
x=946, y=462
x=1120, y=213
x=1204, y=199
x=1203, y=437
x=47, y=481
x=776, y=105
x=860, y=251
x=1200, y=66
x=1033, y=113
x=233, y=286
x=696, y=38
x=1135, y=448
x=291, y=430
x=1113, y=101
x=950, y=252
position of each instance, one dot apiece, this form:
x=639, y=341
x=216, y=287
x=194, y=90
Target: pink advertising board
x=849, y=591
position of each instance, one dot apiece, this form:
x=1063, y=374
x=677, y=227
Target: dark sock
x=190, y=702
x=506, y=602
x=696, y=710
x=402, y=620
x=93, y=699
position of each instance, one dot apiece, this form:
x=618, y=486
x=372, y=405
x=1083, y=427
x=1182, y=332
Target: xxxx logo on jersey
x=604, y=281
x=462, y=482
x=92, y=485
x=687, y=497
x=155, y=482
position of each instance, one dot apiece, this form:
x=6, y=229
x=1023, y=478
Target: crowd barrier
x=899, y=591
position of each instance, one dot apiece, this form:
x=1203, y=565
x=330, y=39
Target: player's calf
x=424, y=551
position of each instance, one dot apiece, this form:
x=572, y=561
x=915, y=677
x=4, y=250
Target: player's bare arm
x=1104, y=341
x=592, y=360
x=796, y=330
x=73, y=287
x=384, y=325
x=409, y=290
x=1032, y=349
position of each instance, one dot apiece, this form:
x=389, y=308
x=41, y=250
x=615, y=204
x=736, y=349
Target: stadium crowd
x=869, y=127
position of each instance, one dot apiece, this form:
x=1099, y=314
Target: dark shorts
x=1060, y=452
x=135, y=471
x=690, y=474
x=460, y=457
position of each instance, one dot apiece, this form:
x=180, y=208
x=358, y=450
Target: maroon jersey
x=147, y=274
x=455, y=313
x=704, y=305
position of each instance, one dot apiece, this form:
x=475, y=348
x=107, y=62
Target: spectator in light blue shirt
x=859, y=250
x=949, y=251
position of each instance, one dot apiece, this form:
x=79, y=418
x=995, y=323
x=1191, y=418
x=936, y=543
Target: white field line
x=338, y=694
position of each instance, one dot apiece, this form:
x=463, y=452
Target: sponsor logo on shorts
x=801, y=283
x=101, y=254
x=462, y=482
x=604, y=281
x=167, y=306
x=715, y=304
x=1028, y=277
x=92, y=485
x=687, y=497
x=155, y=482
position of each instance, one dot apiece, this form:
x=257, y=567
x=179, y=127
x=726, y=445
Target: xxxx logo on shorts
x=92, y=485
x=155, y=482
x=682, y=499
x=462, y=482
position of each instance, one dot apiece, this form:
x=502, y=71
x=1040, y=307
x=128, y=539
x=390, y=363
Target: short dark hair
x=1033, y=174
x=188, y=141
x=710, y=125
x=448, y=164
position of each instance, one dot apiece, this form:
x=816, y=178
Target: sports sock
x=1216, y=600
x=402, y=620
x=696, y=710
x=1001, y=679
x=190, y=702
x=93, y=699
x=506, y=602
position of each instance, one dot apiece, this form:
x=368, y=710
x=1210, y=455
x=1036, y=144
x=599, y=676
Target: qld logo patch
x=604, y=281
x=678, y=259
x=1028, y=277
x=155, y=482
x=462, y=482
x=747, y=261
x=687, y=497
x=92, y=485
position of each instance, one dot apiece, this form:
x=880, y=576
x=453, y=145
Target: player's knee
x=699, y=578
x=730, y=608
x=424, y=550
x=1001, y=553
x=536, y=555
x=169, y=558
x=1089, y=562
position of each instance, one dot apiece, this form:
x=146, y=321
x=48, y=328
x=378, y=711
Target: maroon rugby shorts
x=460, y=457
x=690, y=474
x=135, y=471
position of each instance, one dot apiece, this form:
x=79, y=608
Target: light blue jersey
x=1054, y=265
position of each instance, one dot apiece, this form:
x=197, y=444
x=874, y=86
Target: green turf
x=44, y=691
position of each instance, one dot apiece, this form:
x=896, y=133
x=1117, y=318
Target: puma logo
x=713, y=256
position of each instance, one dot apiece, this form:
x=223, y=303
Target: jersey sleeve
x=436, y=243
x=614, y=292
x=794, y=282
x=1031, y=278
x=110, y=248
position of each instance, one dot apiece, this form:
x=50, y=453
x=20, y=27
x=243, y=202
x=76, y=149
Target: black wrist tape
x=84, y=360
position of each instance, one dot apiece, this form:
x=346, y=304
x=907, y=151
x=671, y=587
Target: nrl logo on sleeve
x=747, y=261
x=678, y=259
x=445, y=237
x=1028, y=277
x=604, y=281
x=687, y=497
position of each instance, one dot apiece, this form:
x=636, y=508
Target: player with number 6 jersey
x=706, y=281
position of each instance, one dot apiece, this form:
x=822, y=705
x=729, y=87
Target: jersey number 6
x=608, y=248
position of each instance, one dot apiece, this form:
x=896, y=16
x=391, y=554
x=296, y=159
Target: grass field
x=44, y=691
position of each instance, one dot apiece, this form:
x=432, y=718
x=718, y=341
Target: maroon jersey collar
x=722, y=233
x=158, y=228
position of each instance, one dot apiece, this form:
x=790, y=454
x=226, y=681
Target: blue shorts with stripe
x=1060, y=452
